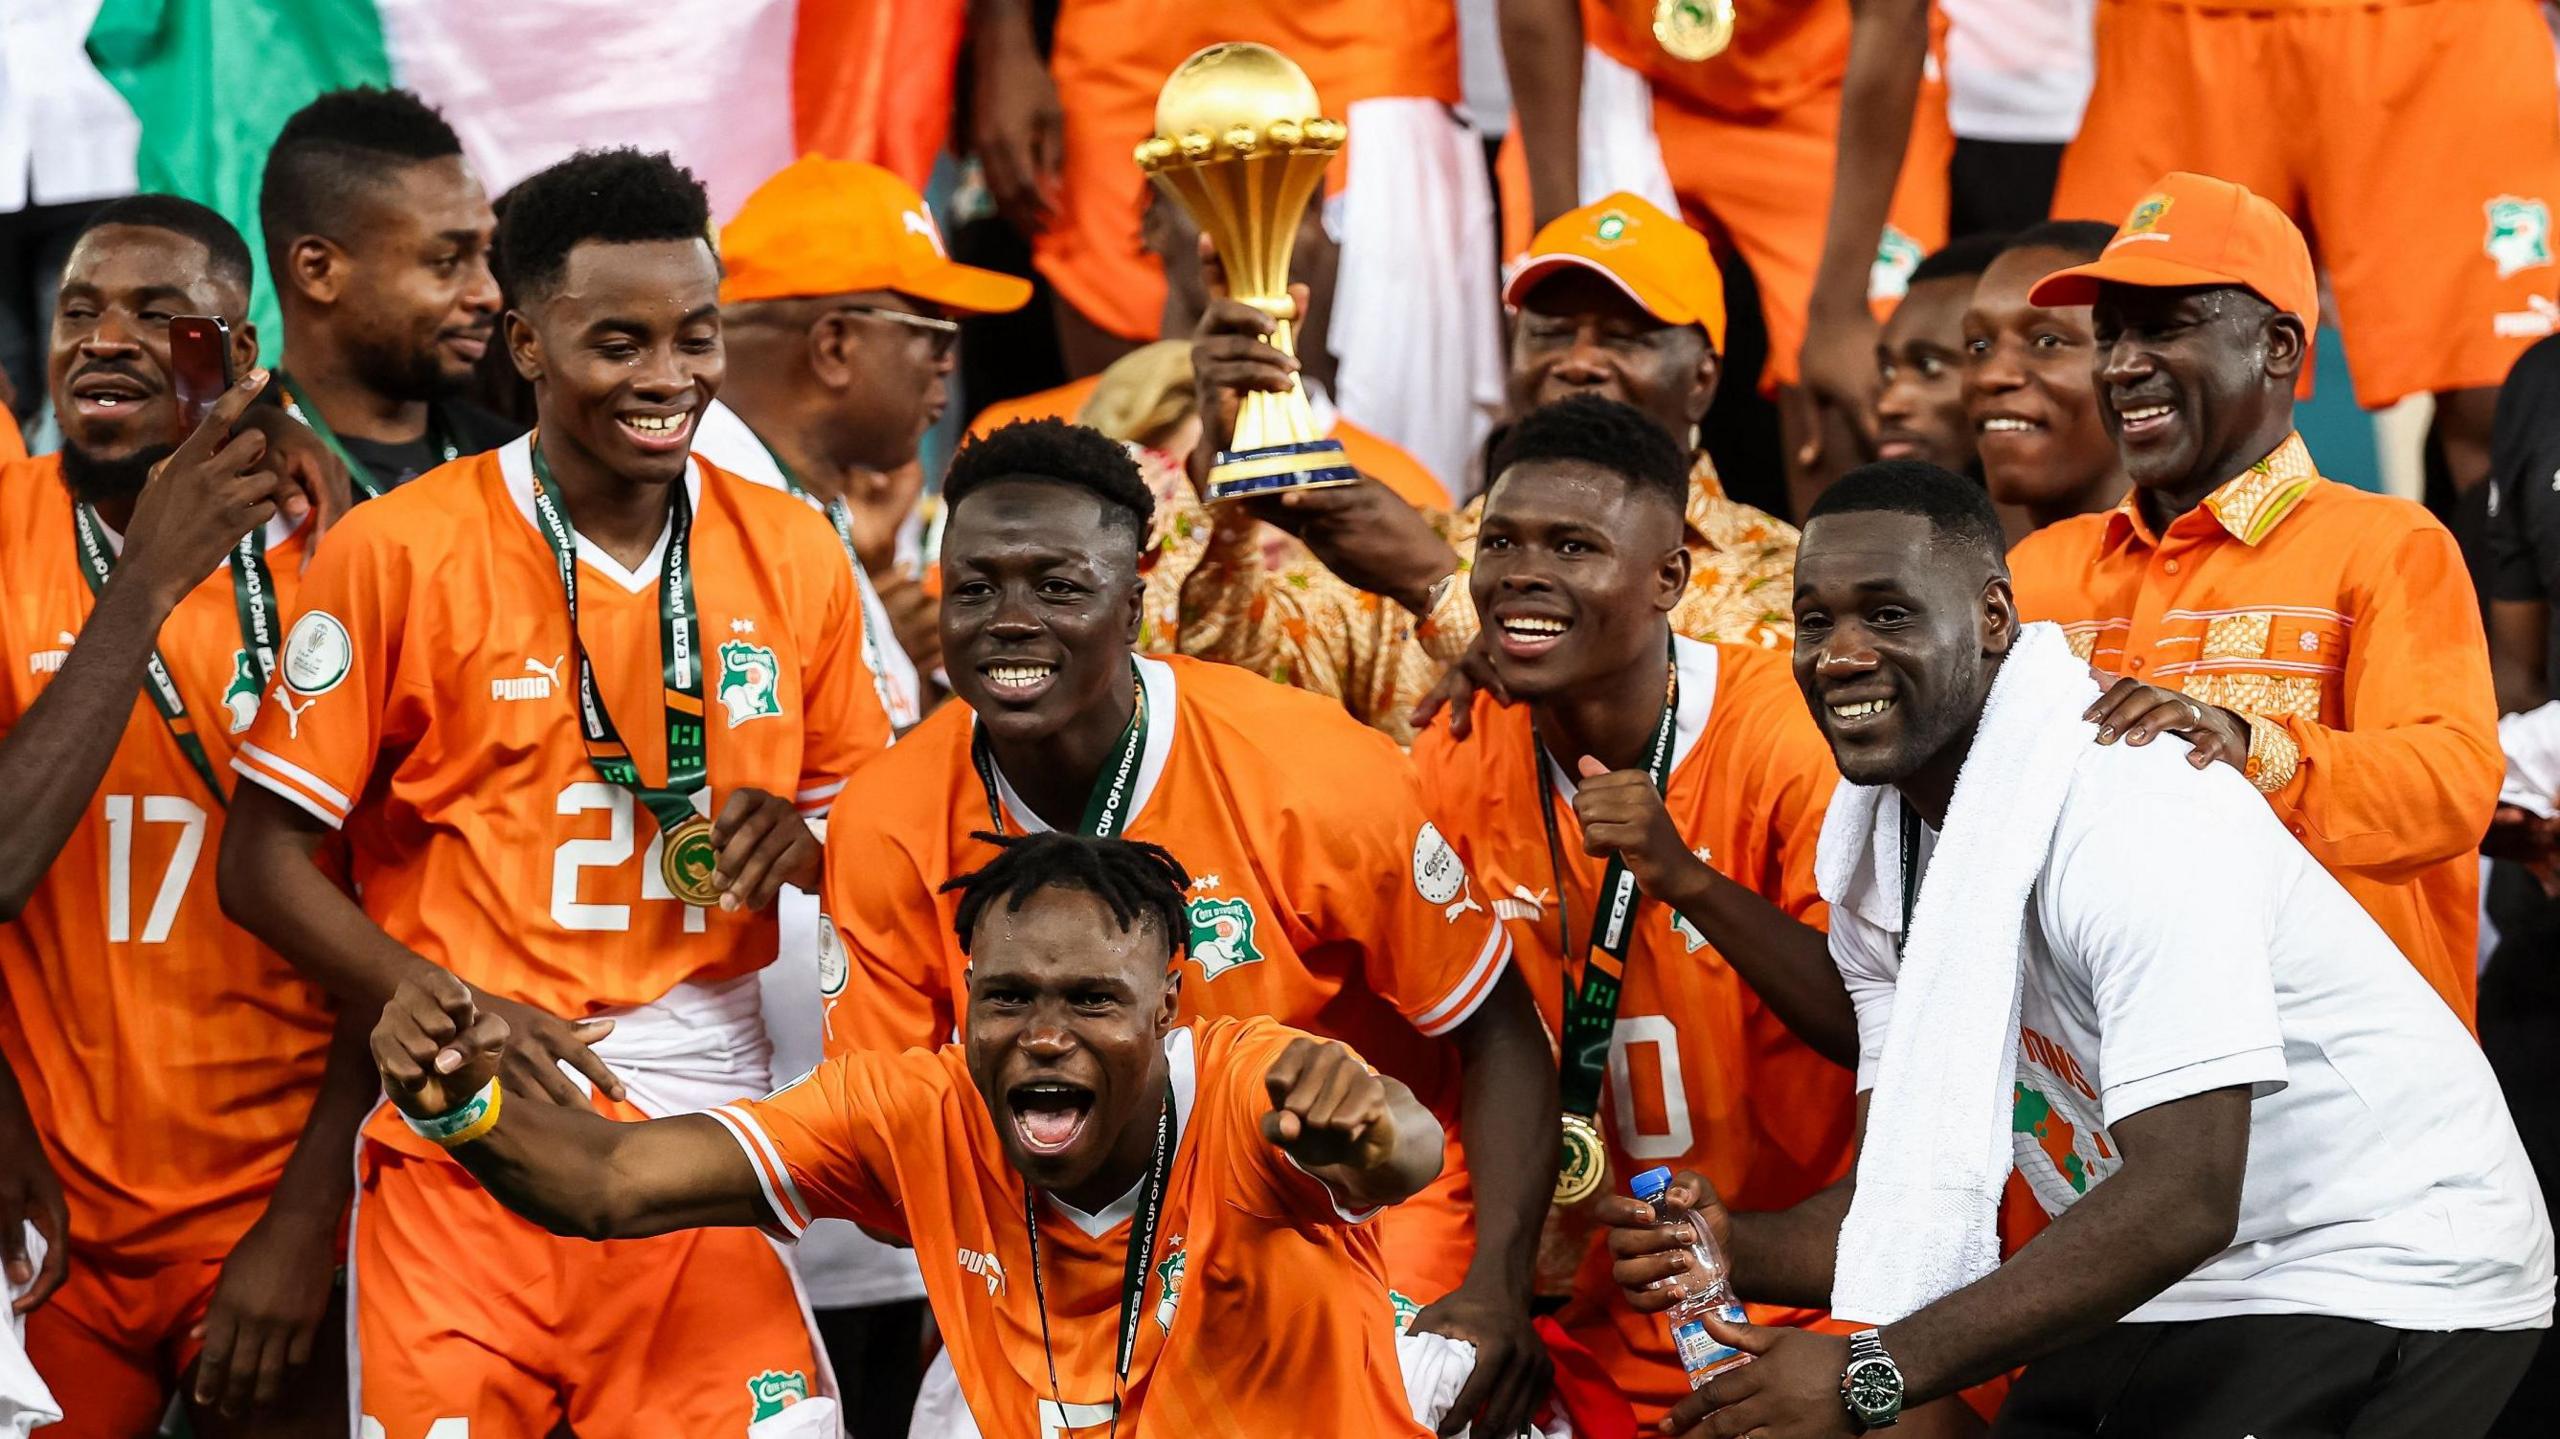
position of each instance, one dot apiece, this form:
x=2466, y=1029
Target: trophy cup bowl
x=1240, y=145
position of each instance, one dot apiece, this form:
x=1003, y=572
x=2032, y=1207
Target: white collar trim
x=515, y=462
x=1183, y=1066
x=1157, y=678
x=1699, y=664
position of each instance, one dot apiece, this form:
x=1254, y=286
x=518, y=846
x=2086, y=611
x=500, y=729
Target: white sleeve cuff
x=2261, y=1069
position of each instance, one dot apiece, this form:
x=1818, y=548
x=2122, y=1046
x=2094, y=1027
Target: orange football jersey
x=1321, y=895
x=1782, y=52
x=170, y=1059
x=1284, y=1326
x=1701, y=1075
x=427, y=704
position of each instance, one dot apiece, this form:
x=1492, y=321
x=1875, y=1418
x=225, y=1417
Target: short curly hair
x=338, y=146
x=616, y=197
x=1053, y=452
x=1604, y=434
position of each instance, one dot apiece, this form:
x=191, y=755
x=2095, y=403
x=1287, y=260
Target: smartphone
x=199, y=366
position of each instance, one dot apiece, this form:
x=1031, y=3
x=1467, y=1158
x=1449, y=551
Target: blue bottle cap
x=1649, y=1185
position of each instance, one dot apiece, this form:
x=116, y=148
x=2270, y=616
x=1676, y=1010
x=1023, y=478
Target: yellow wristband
x=473, y=1118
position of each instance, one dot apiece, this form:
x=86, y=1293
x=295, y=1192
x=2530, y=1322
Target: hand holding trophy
x=1240, y=146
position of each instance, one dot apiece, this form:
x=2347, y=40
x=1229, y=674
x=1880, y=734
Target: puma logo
x=537, y=683
x=45, y=662
x=292, y=712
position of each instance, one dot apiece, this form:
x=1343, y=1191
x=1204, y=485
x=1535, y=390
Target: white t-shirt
x=2179, y=941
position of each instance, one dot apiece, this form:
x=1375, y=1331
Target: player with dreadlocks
x=1065, y=1166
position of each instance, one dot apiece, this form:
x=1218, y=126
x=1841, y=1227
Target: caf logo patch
x=774, y=1391
x=318, y=654
x=1222, y=935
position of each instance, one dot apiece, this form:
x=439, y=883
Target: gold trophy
x=1239, y=143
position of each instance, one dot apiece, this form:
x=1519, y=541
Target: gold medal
x=1584, y=1165
x=1693, y=29
x=686, y=860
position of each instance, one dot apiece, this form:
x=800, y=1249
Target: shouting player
x=1320, y=895
x=523, y=685
x=1057, y=1170
x=1682, y=781
x=169, y=1062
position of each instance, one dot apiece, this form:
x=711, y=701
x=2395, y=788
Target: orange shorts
x=1761, y=188
x=115, y=1339
x=466, y=1312
x=2416, y=143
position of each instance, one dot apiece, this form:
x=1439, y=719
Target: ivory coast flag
x=734, y=89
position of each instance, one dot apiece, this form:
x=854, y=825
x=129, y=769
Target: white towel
x=1924, y=1221
x=1436, y=1367
x=25, y=1402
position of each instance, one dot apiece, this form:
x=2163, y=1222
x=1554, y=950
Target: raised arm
x=568, y=1169
x=213, y=490
x=1888, y=43
x=1360, y=1134
x=1542, y=54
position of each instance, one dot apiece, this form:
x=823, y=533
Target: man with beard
x=1321, y=894
x=1080, y=1157
x=2323, y=641
x=169, y=1061
x=570, y=703
x=2287, y=1198
x=378, y=243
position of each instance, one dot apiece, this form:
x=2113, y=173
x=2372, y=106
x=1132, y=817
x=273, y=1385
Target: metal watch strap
x=1867, y=1346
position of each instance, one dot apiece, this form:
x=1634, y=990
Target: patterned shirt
x=1215, y=589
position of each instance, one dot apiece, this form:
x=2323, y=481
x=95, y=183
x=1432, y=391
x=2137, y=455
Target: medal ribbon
x=253, y=598
x=1591, y=1009
x=1107, y=808
x=679, y=641
x=367, y=487
x=875, y=625
x=1133, y=1270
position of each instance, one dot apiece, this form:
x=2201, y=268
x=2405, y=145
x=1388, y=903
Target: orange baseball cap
x=832, y=227
x=1659, y=262
x=2197, y=230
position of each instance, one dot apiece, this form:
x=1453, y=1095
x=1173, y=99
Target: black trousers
x=2271, y=1376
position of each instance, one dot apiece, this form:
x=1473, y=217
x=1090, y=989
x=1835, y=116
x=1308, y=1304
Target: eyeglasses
x=940, y=334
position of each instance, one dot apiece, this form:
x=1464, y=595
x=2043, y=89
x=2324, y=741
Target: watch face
x=1873, y=1388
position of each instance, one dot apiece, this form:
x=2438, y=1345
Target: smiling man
x=1321, y=894
x=169, y=1061
x=1687, y=770
x=1919, y=407
x=502, y=690
x=378, y=243
x=2031, y=387
x=2323, y=641
x=1128, y=1224
x=2287, y=1197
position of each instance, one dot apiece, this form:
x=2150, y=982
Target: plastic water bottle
x=1701, y=1287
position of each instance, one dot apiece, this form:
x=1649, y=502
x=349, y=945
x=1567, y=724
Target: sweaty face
x=1578, y=334
x=1891, y=650
x=625, y=352
x=1920, y=359
x=419, y=306
x=900, y=380
x=108, y=369
x=2183, y=379
x=2030, y=388
x=1039, y=606
x=1066, y=1024
x=1574, y=570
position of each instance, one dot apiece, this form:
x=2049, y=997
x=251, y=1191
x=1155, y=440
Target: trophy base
x=1312, y=465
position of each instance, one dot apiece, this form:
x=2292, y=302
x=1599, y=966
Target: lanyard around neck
x=1106, y=809
x=1139, y=1259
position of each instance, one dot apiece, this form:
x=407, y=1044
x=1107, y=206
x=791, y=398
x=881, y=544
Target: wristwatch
x=1871, y=1387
